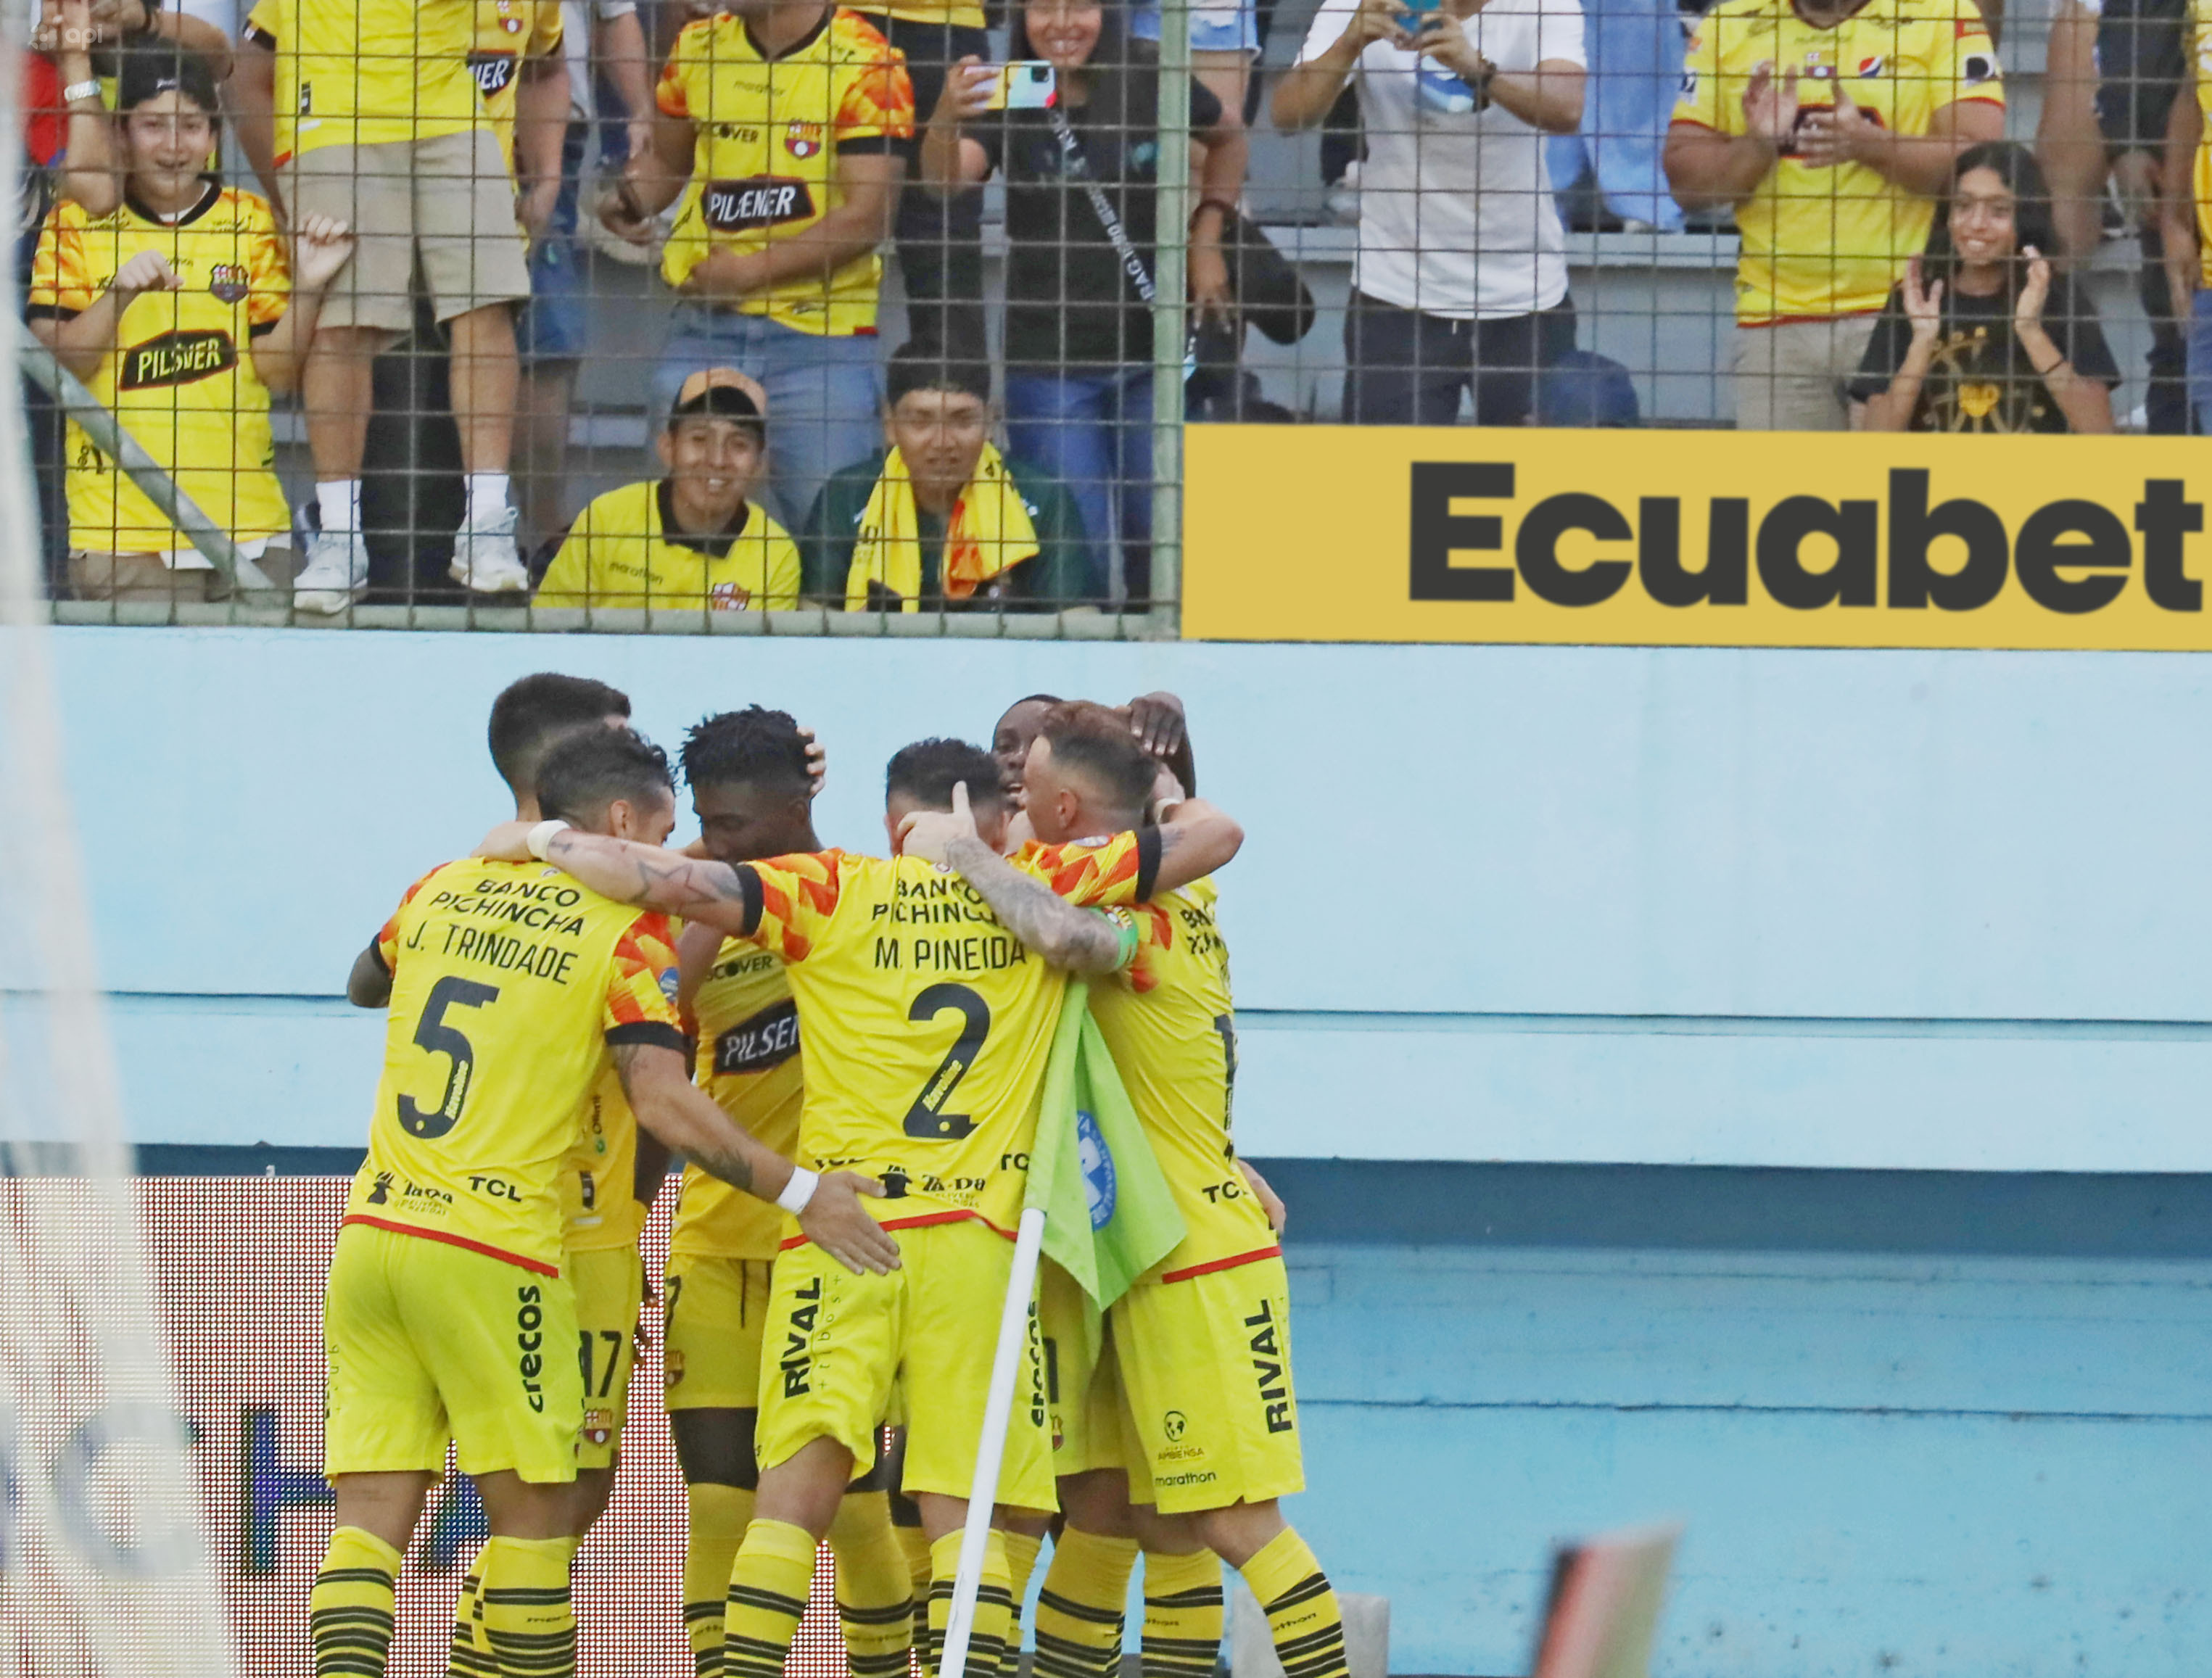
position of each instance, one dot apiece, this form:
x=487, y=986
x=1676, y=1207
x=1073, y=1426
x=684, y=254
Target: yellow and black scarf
x=990, y=532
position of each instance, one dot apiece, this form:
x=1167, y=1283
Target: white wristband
x=541, y=836
x=799, y=1191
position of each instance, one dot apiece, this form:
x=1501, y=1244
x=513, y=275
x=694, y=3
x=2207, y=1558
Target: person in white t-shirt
x=1461, y=279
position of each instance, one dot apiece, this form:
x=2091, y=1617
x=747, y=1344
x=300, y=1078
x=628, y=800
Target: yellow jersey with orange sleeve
x=1170, y=1024
x=747, y=1026
x=927, y=1023
x=510, y=33
x=1820, y=242
x=768, y=136
x=180, y=377
x=510, y=983
x=600, y=1209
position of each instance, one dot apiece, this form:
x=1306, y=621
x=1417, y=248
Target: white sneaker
x=334, y=575
x=485, y=559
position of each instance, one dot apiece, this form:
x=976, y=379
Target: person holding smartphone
x=1459, y=283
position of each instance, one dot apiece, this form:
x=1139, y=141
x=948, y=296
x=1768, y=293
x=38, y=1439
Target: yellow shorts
x=609, y=1286
x=841, y=1348
x=426, y=1341
x=1205, y=1367
x=714, y=1309
x=1083, y=1386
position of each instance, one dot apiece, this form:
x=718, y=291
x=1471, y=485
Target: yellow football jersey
x=927, y=1023
x=1170, y=1022
x=366, y=72
x=599, y=1207
x=1820, y=242
x=181, y=377
x=766, y=163
x=509, y=980
x=510, y=33
x=747, y=1024
x=624, y=550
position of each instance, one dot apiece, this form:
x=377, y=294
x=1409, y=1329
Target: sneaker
x=485, y=561
x=334, y=575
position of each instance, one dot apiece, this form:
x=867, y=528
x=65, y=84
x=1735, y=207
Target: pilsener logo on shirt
x=177, y=358
x=737, y=206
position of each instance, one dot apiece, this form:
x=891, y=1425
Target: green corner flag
x=1109, y=1214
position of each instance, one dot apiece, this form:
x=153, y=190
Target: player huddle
x=849, y=1052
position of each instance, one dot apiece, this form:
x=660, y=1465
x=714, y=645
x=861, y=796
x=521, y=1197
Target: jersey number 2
x=927, y=1118
x=433, y=1036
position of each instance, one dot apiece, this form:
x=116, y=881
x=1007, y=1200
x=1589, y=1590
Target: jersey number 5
x=927, y=1118
x=434, y=1037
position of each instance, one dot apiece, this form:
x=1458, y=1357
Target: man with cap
x=692, y=539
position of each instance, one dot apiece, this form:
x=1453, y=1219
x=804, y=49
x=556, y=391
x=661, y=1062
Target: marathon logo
x=177, y=358
x=741, y=206
x=769, y=1039
x=1910, y=551
x=493, y=72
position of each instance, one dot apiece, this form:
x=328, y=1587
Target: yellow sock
x=349, y=1609
x=1079, y=1611
x=466, y=1655
x=986, y=1643
x=529, y=1623
x=720, y=1516
x=769, y=1584
x=1021, y=1562
x=914, y=1545
x=1182, y=1614
x=875, y=1592
x=1302, y=1611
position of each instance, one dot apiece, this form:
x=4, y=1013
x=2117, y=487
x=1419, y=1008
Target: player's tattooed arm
x=1195, y=840
x=657, y=1082
x=369, y=984
x=644, y=875
x=1064, y=935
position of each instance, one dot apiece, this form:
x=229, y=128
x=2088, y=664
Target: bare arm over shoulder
x=645, y=875
x=1075, y=940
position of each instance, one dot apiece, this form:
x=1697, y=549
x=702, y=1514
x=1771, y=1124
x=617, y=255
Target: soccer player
x=928, y=1005
x=447, y=1313
x=1155, y=720
x=1207, y=1429
x=751, y=787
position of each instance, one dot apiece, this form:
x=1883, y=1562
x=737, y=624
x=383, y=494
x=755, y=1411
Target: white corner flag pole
x=991, y=1448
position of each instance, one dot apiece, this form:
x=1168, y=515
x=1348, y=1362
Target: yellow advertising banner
x=1708, y=538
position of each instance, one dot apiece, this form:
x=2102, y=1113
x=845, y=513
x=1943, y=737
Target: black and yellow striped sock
x=529, y=1625
x=719, y=1517
x=986, y=1641
x=1182, y=1614
x=349, y=1609
x=1302, y=1611
x=875, y=1592
x=768, y=1583
x=465, y=1655
x=914, y=1545
x=1021, y=1562
x=1080, y=1609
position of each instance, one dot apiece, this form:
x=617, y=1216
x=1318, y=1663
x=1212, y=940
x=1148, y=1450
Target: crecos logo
x=2069, y=555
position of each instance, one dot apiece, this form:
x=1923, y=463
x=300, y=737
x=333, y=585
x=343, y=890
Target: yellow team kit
x=368, y=72
x=625, y=551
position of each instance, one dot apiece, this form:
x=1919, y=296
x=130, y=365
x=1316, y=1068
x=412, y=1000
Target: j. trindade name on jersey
x=943, y=902
x=2069, y=555
x=543, y=908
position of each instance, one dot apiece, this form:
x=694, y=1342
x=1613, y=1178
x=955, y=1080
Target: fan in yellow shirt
x=1831, y=127
x=692, y=541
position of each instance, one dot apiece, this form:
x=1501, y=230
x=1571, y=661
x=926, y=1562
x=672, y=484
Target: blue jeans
x=1635, y=49
x=1093, y=431
x=822, y=395
x=2200, y=361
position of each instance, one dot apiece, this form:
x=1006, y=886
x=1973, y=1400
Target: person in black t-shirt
x=1981, y=336
x=1078, y=340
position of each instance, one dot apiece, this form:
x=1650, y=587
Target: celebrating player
x=928, y=1005
x=751, y=787
x=448, y=1315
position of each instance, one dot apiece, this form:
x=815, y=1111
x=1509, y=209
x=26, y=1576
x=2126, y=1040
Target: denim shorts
x=1214, y=27
x=553, y=324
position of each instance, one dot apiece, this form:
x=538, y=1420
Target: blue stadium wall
x=1761, y=1090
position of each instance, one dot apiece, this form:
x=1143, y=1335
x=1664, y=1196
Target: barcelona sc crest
x=228, y=282
x=803, y=139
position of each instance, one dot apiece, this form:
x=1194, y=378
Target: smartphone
x=1028, y=84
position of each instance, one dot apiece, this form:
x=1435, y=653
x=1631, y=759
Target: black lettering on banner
x=1437, y=532
x=177, y=358
x=1726, y=580
x=1536, y=550
x=767, y=1039
x=2039, y=555
x=434, y=1037
x=2165, y=515
x=1854, y=527
x=1914, y=528
x=766, y=201
x=926, y=1117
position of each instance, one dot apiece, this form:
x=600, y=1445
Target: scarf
x=990, y=532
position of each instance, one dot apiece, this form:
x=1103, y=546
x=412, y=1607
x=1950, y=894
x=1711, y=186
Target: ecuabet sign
x=1713, y=538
